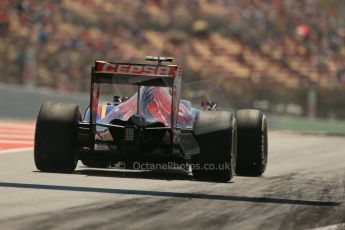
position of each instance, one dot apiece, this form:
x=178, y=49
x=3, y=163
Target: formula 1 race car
x=153, y=126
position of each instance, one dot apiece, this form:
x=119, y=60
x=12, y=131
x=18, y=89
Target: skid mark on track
x=16, y=135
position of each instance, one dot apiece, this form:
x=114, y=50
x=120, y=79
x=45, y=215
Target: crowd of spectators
x=310, y=31
x=53, y=43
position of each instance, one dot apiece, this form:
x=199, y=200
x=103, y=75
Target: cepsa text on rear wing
x=136, y=74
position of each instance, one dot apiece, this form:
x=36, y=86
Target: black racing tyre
x=215, y=133
x=95, y=163
x=252, y=142
x=56, y=137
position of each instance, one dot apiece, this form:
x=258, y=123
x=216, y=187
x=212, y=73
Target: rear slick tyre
x=56, y=137
x=215, y=133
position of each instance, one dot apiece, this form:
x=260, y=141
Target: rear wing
x=136, y=74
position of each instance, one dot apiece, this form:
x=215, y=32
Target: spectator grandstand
x=253, y=48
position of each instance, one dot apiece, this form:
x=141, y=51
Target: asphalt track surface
x=303, y=188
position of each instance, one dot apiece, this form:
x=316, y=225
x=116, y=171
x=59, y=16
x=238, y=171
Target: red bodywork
x=155, y=106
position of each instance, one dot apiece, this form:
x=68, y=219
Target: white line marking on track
x=15, y=142
x=16, y=126
x=330, y=227
x=18, y=136
x=15, y=150
x=12, y=131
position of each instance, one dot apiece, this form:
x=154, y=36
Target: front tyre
x=56, y=137
x=252, y=145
